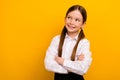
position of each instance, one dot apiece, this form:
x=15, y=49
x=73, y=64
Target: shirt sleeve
x=80, y=67
x=50, y=63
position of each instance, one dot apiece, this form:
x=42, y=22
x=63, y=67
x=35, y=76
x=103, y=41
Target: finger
x=81, y=57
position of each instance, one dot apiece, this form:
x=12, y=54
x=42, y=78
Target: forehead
x=75, y=13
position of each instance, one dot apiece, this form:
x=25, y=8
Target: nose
x=72, y=21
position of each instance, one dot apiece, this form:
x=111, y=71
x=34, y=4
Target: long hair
x=80, y=36
x=62, y=37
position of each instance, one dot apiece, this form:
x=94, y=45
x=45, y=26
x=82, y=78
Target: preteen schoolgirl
x=68, y=55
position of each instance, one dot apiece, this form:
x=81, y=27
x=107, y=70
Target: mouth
x=71, y=26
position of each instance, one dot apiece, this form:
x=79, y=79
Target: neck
x=72, y=35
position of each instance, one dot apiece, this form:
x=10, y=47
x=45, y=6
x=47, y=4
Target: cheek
x=79, y=25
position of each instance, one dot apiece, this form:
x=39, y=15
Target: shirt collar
x=75, y=38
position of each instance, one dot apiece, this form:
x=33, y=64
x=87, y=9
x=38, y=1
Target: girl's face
x=74, y=22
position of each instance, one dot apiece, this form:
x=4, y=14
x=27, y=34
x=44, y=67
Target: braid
x=80, y=36
x=62, y=37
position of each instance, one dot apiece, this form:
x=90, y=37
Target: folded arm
x=50, y=63
x=82, y=64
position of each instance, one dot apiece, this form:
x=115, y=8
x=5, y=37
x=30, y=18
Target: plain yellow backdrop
x=27, y=27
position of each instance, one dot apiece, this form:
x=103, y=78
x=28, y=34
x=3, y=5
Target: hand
x=81, y=57
x=59, y=60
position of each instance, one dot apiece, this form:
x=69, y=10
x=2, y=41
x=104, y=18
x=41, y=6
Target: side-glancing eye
x=69, y=17
x=78, y=20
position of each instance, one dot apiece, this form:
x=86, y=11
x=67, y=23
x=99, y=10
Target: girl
x=68, y=55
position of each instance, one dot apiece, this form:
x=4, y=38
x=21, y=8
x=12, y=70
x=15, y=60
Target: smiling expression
x=74, y=22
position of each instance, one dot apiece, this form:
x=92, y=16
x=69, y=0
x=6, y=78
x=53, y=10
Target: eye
x=69, y=17
x=78, y=20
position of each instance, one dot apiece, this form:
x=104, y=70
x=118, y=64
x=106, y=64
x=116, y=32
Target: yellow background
x=27, y=27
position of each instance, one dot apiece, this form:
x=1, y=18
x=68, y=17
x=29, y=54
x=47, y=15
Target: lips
x=71, y=26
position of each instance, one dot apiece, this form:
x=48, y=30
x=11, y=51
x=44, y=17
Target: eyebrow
x=71, y=16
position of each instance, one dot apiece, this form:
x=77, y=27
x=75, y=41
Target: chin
x=70, y=31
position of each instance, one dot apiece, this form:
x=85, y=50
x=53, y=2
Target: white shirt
x=78, y=67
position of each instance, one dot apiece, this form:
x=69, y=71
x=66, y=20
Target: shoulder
x=55, y=39
x=85, y=40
